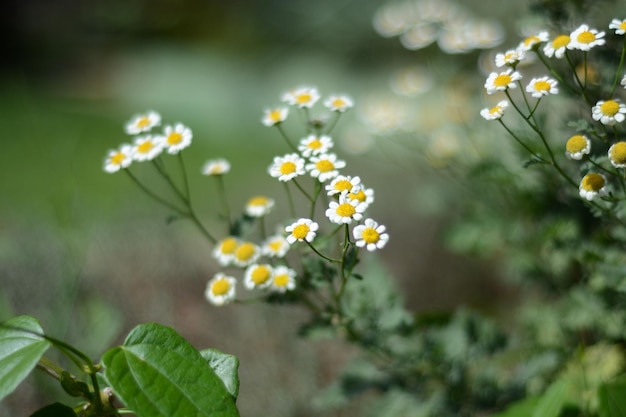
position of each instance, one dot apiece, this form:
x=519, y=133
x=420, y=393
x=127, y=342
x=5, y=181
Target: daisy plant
x=325, y=207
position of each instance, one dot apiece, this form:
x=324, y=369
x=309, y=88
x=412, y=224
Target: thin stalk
x=303, y=191
x=184, y=175
x=161, y=170
x=292, y=206
x=619, y=68
x=339, y=261
x=333, y=123
x=221, y=190
x=286, y=138
x=153, y=195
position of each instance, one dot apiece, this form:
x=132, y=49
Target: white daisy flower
x=510, y=58
x=502, y=81
x=619, y=25
x=623, y=82
x=364, y=195
x=533, y=41
x=542, y=86
x=275, y=116
x=301, y=230
x=220, y=289
x=609, y=112
x=495, y=112
x=343, y=184
x=246, y=254
x=143, y=122
x=259, y=206
x=275, y=246
x=177, y=138
x=370, y=235
x=593, y=185
x=119, y=158
x=577, y=146
x=338, y=103
x=585, y=38
x=303, y=97
x=345, y=210
x=557, y=47
x=283, y=279
x=224, y=251
x=287, y=167
x=218, y=166
x=146, y=148
x=315, y=145
x=617, y=154
x=258, y=276
x=324, y=166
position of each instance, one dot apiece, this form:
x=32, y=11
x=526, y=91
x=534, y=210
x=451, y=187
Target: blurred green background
x=91, y=257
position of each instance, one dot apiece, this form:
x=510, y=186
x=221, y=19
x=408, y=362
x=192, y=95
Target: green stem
x=619, y=68
x=154, y=196
x=518, y=140
x=286, y=138
x=161, y=170
x=322, y=255
x=318, y=189
x=184, y=175
x=221, y=190
x=333, y=123
x=303, y=191
x=292, y=206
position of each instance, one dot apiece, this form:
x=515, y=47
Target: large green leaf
x=157, y=373
x=522, y=408
x=225, y=366
x=552, y=401
x=613, y=399
x=21, y=347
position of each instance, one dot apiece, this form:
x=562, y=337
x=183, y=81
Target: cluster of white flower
x=608, y=112
x=420, y=23
x=263, y=264
x=146, y=145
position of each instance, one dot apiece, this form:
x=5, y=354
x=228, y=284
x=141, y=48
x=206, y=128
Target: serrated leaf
x=54, y=410
x=21, y=347
x=225, y=366
x=612, y=398
x=157, y=373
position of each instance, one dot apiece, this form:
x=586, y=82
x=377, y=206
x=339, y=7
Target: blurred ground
x=89, y=256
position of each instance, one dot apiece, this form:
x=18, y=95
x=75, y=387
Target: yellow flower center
x=315, y=144
x=531, y=40
x=245, y=251
x=303, y=98
x=338, y=102
x=345, y=210
x=216, y=169
x=560, y=41
x=118, y=158
x=618, y=153
x=370, y=235
x=360, y=196
x=586, y=37
x=258, y=201
x=622, y=25
x=275, y=115
x=300, y=231
x=325, y=165
x=276, y=245
x=143, y=122
x=343, y=185
x=592, y=182
x=502, y=80
x=287, y=168
x=495, y=110
x=576, y=144
x=542, y=86
x=174, y=138
x=145, y=147
x=609, y=107
x=260, y=274
x=220, y=287
x=228, y=245
x=281, y=280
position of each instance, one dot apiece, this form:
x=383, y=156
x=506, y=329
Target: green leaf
x=21, y=347
x=523, y=408
x=225, y=366
x=157, y=373
x=54, y=410
x=613, y=399
x=551, y=403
